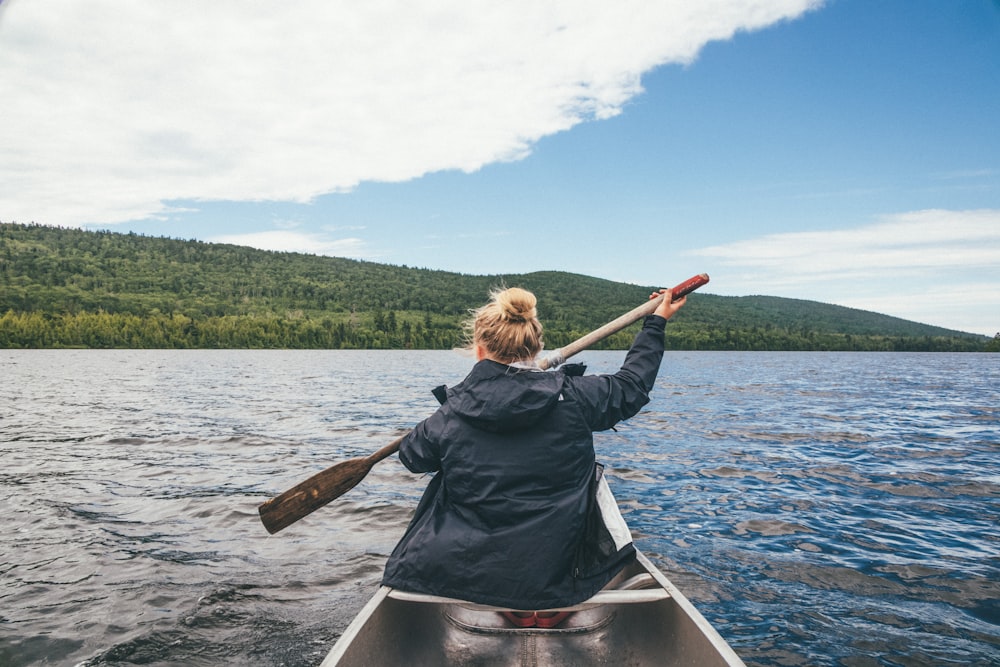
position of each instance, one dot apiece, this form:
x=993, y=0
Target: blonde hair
x=507, y=327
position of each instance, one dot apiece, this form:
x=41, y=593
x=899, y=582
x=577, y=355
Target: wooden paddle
x=323, y=487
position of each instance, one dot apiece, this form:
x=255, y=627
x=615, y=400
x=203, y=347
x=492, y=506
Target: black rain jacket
x=504, y=520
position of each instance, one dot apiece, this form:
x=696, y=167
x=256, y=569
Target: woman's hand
x=667, y=308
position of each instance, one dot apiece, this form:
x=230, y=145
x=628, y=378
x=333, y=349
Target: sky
x=842, y=151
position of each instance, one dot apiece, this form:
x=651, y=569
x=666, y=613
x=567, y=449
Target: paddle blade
x=308, y=496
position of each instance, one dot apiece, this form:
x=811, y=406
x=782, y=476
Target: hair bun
x=517, y=305
x=507, y=327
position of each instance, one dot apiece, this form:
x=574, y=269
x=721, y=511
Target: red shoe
x=521, y=619
x=550, y=619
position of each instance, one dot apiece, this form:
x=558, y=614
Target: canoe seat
x=630, y=591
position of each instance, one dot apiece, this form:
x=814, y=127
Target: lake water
x=818, y=508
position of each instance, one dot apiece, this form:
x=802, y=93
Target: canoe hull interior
x=665, y=632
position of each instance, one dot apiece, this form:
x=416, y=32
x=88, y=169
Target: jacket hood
x=499, y=398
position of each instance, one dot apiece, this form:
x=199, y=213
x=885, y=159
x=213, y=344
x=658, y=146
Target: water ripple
x=820, y=509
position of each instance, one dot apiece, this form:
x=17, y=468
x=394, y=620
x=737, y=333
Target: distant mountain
x=68, y=287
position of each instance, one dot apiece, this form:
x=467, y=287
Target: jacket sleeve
x=418, y=451
x=606, y=400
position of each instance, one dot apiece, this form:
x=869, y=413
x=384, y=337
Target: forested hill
x=73, y=288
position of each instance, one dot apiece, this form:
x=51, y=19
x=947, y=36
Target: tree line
x=179, y=331
x=73, y=288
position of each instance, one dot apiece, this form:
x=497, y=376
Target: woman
x=511, y=519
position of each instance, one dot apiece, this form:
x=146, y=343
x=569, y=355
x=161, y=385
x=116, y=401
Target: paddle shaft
x=328, y=485
x=613, y=327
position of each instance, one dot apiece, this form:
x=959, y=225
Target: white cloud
x=935, y=266
x=112, y=108
x=283, y=240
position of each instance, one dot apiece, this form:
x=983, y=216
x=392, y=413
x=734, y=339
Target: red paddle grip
x=688, y=286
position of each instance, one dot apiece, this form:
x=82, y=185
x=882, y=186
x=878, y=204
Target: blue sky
x=845, y=151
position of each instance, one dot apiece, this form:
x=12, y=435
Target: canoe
x=640, y=618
